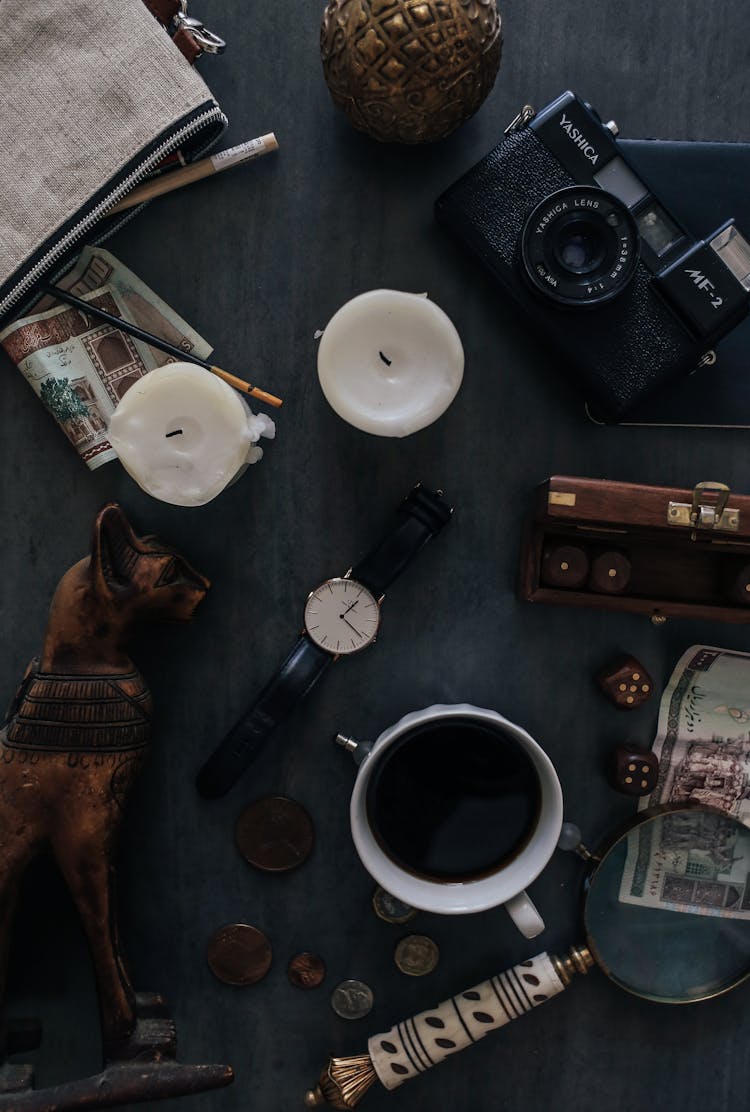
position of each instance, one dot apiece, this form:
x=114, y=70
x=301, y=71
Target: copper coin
x=239, y=954
x=306, y=970
x=352, y=999
x=275, y=834
x=416, y=955
x=390, y=909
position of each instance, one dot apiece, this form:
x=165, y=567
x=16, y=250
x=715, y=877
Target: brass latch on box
x=708, y=510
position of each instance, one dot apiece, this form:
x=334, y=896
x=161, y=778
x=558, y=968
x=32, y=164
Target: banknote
x=690, y=861
x=703, y=736
x=79, y=366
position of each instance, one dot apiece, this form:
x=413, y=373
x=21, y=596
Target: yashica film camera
x=573, y=233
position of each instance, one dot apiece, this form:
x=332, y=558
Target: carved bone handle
x=411, y=1047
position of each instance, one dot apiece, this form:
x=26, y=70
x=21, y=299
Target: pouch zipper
x=71, y=237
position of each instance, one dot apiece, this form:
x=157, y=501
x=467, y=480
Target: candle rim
x=366, y=416
x=130, y=453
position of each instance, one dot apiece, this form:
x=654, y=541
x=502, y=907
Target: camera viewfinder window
x=656, y=229
x=617, y=178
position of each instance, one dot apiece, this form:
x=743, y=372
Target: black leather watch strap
x=421, y=515
x=299, y=672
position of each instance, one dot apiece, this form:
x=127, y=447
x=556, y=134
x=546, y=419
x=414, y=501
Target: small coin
x=416, y=955
x=390, y=909
x=352, y=999
x=275, y=834
x=239, y=954
x=306, y=970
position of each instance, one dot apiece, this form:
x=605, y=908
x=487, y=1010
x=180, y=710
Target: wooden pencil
x=175, y=179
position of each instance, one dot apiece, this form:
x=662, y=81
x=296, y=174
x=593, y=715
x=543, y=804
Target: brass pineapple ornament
x=410, y=71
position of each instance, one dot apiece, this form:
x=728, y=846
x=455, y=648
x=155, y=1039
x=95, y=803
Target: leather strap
x=165, y=11
x=421, y=516
x=185, y=41
x=299, y=672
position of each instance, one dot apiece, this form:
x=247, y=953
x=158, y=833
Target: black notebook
x=703, y=185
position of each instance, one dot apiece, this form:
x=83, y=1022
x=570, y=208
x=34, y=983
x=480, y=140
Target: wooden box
x=661, y=551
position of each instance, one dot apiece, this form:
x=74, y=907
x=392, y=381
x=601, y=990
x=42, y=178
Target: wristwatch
x=342, y=617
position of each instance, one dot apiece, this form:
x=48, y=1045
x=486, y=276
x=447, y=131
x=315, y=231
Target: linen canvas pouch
x=94, y=96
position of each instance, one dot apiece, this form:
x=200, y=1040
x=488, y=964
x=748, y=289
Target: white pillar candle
x=390, y=363
x=183, y=434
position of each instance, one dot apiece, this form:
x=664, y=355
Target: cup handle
x=524, y=914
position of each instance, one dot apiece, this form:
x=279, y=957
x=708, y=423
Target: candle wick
x=176, y=432
x=385, y=359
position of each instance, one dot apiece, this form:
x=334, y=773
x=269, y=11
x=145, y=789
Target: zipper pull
x=524, y=117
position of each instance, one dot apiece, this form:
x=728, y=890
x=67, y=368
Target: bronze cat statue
x=74, y=740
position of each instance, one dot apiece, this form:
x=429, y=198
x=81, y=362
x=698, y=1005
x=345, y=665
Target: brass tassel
x=343, y=1084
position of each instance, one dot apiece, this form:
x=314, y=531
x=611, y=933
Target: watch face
x=342, y=616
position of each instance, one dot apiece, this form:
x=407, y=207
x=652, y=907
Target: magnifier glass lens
x=668, y=908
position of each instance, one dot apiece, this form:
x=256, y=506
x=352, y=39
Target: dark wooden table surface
x=257, y=260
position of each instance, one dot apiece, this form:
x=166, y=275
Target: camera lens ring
x=580, y=246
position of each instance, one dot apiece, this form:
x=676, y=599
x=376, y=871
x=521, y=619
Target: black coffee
x=454, y=800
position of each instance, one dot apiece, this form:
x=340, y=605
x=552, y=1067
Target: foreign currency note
x=79, y=366
x=691, y=862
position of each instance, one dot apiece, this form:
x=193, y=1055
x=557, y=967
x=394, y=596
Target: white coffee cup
x=507, y=883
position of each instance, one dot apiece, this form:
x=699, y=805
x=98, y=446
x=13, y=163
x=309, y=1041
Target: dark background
x=257, y=260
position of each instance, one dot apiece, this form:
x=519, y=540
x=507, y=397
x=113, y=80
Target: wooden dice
x=564, y=565
x=610, y=572
x=633, y=771
x=606, y=572
x=625, y=682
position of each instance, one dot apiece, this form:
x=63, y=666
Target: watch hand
x=352, y=627
x=349, y=608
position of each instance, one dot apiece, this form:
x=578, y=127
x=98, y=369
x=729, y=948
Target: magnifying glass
x=666, y=916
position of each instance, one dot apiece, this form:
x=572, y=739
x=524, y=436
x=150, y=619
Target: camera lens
x=580, y=246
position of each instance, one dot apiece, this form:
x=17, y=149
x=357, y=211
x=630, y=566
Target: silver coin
x=390, y=909
x=416, y=955
x=352, y=999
